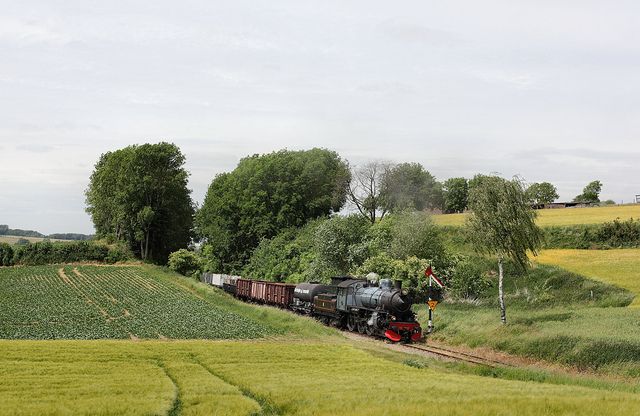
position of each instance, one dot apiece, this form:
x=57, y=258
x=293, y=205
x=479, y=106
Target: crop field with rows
x=91, y=302
x=268, y=378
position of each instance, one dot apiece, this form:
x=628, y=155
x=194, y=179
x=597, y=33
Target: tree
x=366, y=190
x=502, y=223
x=265, y=194
x=590, y=193
x=340, y=244
x=139, y=195
x=6, y=255
x=456, y=193
x=408, y=186
x=542, y=193
x=184, y=262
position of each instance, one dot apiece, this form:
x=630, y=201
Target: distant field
x=89, y=302
x=563, y=216
x=12, y=239
x=620, y=267
x=265, y=378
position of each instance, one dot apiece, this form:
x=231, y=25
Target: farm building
x=555, y=205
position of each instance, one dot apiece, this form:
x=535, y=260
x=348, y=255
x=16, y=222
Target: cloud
x=413, y=32
x=23, y=32
x=35, y=148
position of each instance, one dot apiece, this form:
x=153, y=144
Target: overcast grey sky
x=549, y=90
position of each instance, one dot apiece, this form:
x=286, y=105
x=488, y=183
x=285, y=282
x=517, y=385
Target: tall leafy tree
x=590, y=193
x=408, y=186
x=542, y=193
x=139, y=195
x=502, y=223
x=265, y=194
x=456, y=194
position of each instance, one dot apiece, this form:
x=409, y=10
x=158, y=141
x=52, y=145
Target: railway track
x=433, y=350
x=457, y=355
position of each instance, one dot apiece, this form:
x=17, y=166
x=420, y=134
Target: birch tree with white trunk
x=502, y=224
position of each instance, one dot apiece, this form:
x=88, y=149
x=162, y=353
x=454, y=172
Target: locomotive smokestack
x=397, y=284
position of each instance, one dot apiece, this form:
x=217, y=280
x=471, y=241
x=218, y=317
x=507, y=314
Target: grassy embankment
x=618, y=267
x=563, y=216
x=553, y=315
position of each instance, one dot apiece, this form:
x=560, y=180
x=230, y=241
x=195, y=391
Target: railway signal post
x=434, y=295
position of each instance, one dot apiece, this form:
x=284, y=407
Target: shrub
x=288, y=256
x=340, y=244
x=468, y=280
x=616, y=233
x=620, y=233
x=118, y=252
x=46, y=252
x=184, y=262
x=6, y=255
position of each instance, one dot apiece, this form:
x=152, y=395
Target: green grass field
x=619, y=267
x=264, y=378
x=564, y=216
x=553, y=315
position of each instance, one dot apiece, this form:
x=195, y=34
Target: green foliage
x=400, y=246
x=6, y=255
x=340, y=245
x=22, y=242
x=381, y=264
x=408, y=186
x=139, y=195
x=620, y=233
x=289, y=256
x=611, y=234
x=46, y=252
x=590, y=193
x=541, y=193
x=415, y=234
x=185, y=262
x=455, y=195
x=502, y=221
x=266, y=194
x=469, y=280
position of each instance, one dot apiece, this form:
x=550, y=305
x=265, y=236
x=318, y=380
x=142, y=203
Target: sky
x=548, y=90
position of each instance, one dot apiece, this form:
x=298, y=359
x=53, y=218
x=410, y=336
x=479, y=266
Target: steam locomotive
x=380, y=309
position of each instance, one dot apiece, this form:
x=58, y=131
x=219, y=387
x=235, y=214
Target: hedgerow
x=46, y=252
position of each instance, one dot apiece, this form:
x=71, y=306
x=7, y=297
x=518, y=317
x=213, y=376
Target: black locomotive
x=379, y=309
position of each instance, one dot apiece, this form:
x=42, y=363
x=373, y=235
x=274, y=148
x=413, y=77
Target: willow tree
x=502, y=224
